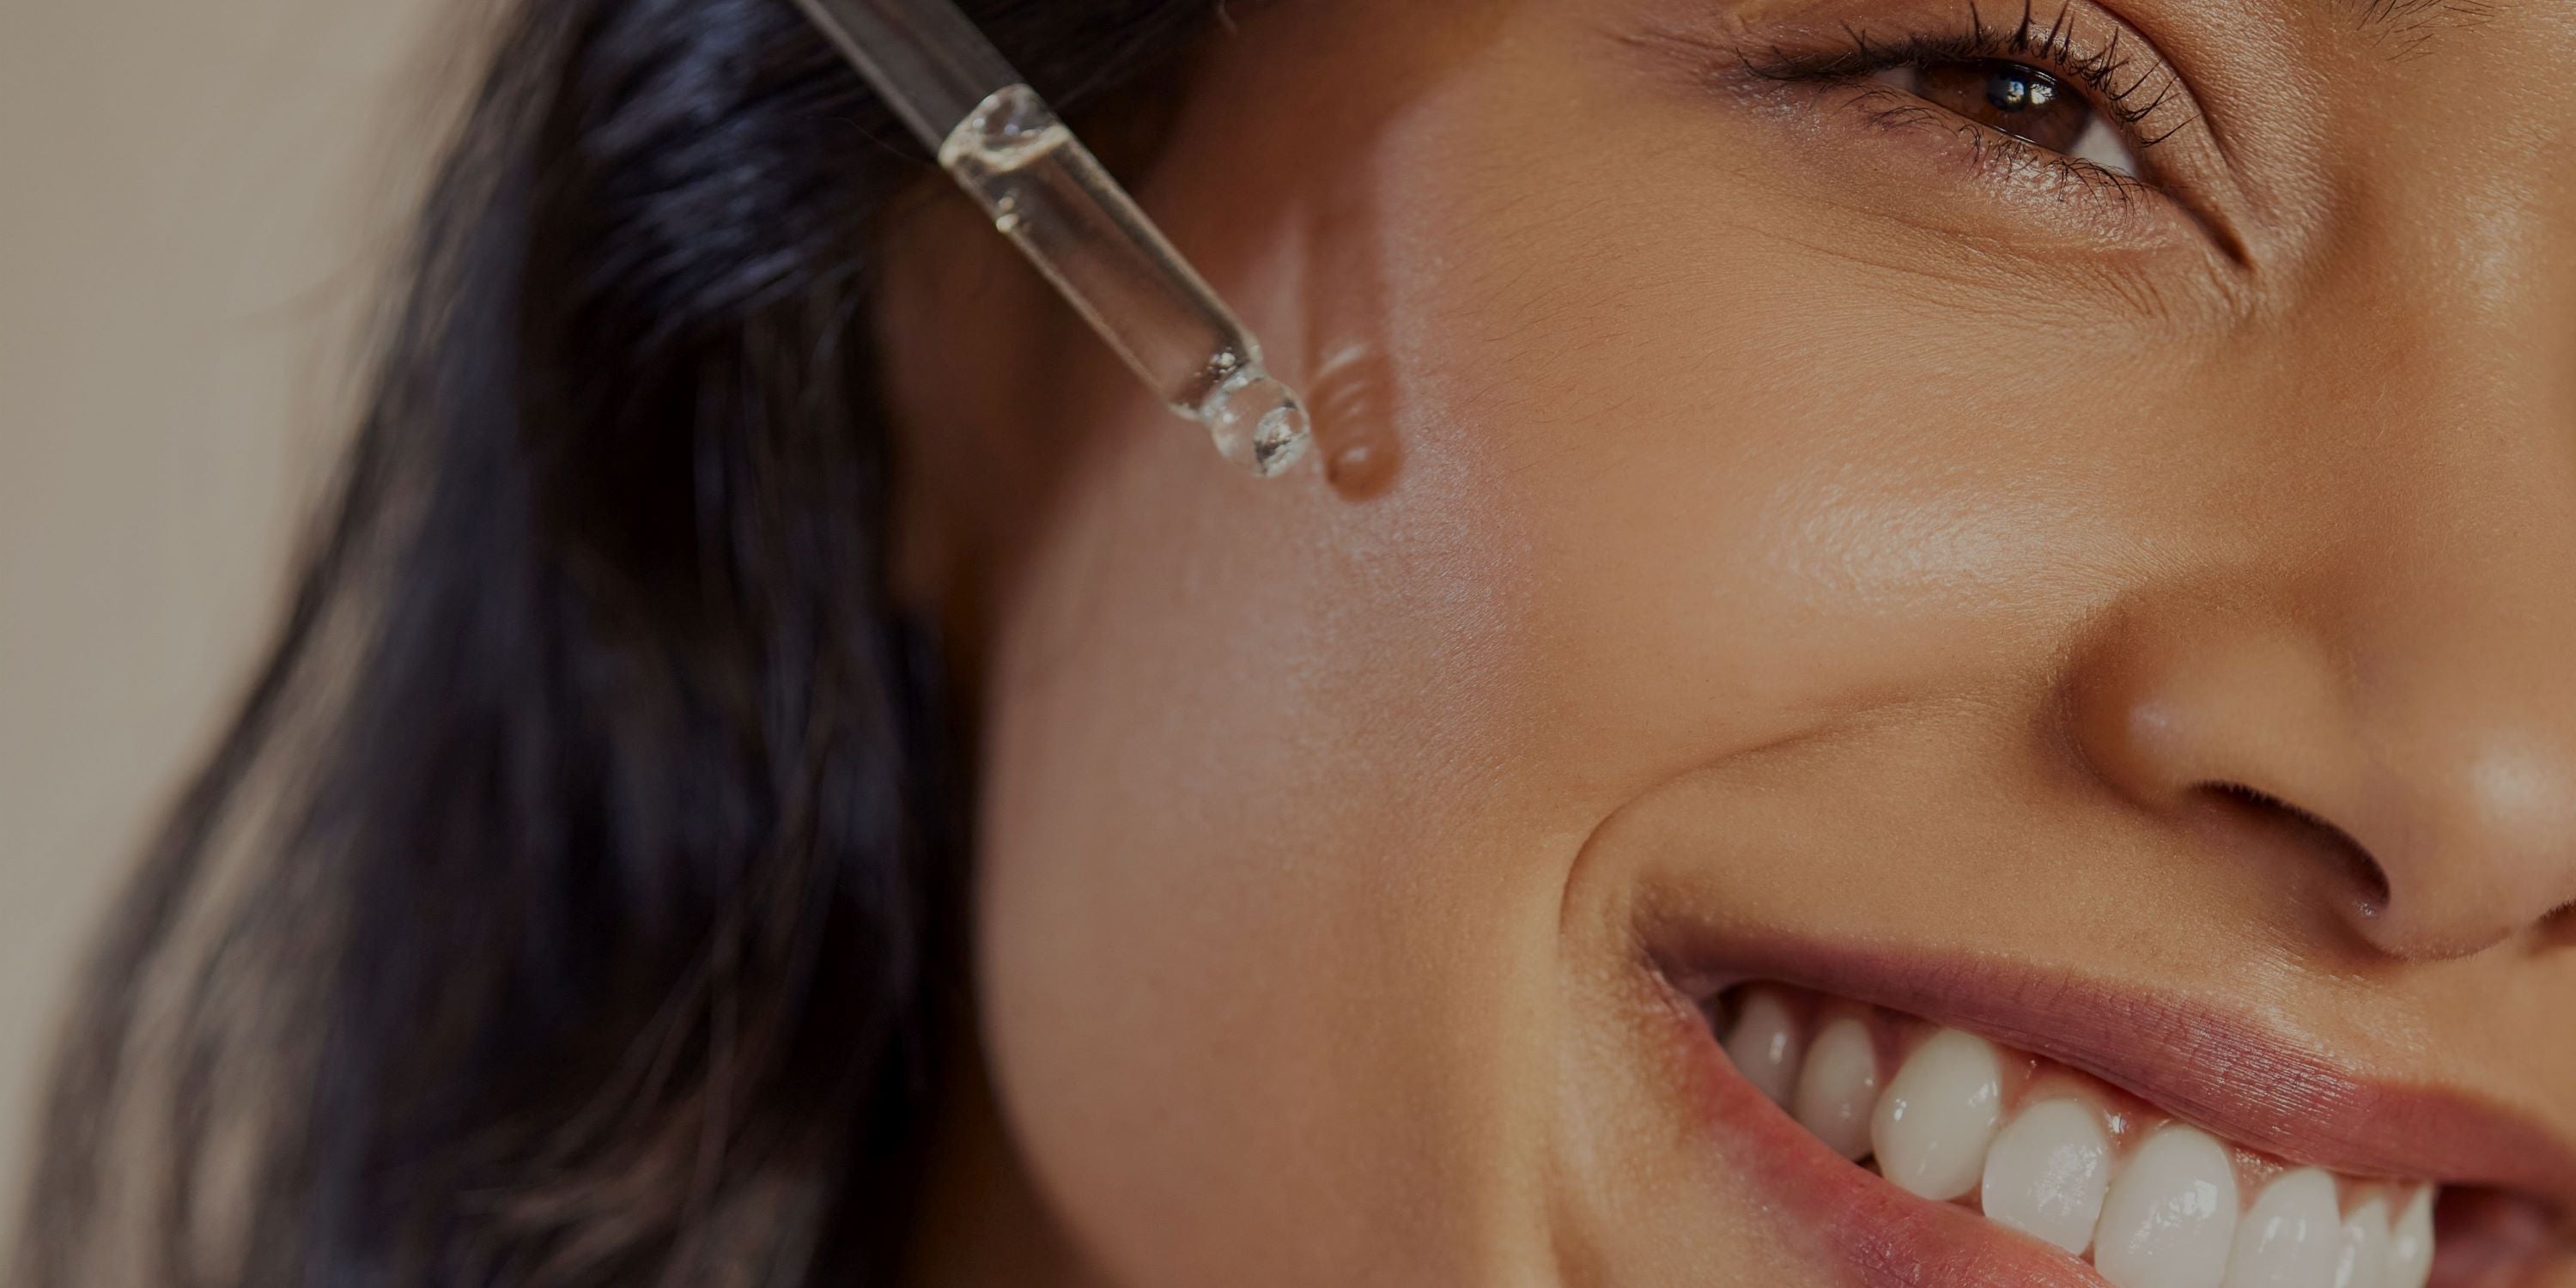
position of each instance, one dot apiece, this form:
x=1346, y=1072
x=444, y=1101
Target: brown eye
x=2019, y=100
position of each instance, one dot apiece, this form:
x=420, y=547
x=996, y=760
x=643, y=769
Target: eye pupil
x=2019, y=89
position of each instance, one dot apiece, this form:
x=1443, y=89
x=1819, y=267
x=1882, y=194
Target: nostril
x=2560, y=925
x=2362, y=871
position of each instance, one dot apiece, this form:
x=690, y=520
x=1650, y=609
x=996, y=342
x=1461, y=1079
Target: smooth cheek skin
x=1687, y=522
x=1285, y=791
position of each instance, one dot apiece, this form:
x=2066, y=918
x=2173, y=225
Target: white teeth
x=1765, y=1044
x=1839, y=1087
x=2171, y=1218
x=1939, y=1115
x=2048, y=1171
x=2410, y=1244
x=2361, y=1260
x=2290, y=1237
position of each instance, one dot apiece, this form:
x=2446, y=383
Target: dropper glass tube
x=1048, y=194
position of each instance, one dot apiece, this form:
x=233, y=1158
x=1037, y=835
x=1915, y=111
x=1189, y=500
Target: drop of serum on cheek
x=1360, y=470
x=1354, y=422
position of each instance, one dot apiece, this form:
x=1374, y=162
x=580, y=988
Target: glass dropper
x=1048, y=194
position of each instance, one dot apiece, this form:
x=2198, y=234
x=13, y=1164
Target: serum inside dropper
x=1048, y=194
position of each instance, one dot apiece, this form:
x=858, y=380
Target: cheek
x=1267, y=886
x=1750, y=480
x=1261, y=872
x=1283, y=788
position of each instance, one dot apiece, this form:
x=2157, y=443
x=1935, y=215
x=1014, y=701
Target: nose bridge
x=2446, y=309
x=2437, y=345
x=2447, y=394
x=2445, y=212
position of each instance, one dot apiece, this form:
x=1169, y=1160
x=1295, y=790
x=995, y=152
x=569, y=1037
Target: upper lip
x=2224, y=1072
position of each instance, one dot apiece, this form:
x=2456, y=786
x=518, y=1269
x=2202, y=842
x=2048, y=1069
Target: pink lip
x=1889, y=1238
x=2229, y=1075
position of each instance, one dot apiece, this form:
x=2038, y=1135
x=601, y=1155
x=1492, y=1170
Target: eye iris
x=2018, y=100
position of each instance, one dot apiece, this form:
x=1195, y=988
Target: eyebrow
x=2406, y=25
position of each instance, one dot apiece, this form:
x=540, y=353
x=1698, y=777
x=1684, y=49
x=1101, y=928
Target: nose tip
x=2434, y=811
x=2472, y=861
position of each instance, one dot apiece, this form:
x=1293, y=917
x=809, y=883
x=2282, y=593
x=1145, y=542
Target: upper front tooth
x=2410, y=1244
x=2289, y=1238
x=1764, y=1044
x=2047, y=1173
x=2362, y=1259
x=1839, y=1086
x=1939, y=1115
x=2171, y=1217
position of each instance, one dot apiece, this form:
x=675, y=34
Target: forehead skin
x=1726, y=501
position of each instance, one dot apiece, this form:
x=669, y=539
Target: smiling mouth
x=2045, y=1129
x=2065, y=1158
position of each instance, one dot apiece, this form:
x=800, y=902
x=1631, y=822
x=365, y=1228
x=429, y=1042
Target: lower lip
x=1889, y=1238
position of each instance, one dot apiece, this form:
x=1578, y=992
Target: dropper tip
x=1258, y=423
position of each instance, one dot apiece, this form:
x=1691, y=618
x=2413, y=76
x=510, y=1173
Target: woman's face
x=2084, y=620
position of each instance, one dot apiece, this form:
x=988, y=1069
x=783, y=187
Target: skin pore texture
x=1773, y=532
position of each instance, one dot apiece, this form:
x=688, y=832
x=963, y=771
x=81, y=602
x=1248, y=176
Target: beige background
x=194, y=201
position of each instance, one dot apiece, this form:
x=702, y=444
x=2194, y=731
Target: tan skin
x=1754, y=508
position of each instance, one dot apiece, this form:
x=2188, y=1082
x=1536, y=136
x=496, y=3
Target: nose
x=2364, y=653
x=2425, y=776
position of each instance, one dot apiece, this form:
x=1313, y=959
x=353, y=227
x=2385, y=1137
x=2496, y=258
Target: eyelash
x=2128, y=86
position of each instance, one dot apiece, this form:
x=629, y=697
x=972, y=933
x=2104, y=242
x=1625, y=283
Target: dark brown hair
x=570, y=901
